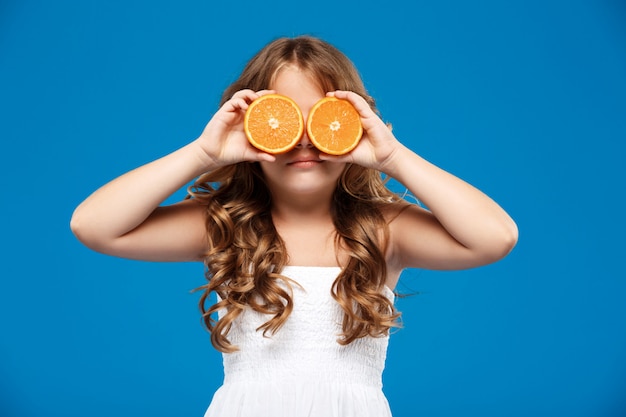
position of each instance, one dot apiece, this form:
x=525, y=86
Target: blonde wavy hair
x=246, y=254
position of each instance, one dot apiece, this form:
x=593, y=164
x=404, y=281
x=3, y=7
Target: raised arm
x=462, y=227
x=125, y=218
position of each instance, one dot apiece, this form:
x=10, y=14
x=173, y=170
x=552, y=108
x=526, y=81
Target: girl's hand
x=377, y=146
x=223, y=140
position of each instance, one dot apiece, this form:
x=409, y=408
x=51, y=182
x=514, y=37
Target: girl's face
x=300, y=171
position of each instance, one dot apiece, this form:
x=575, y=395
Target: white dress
x=301, y=371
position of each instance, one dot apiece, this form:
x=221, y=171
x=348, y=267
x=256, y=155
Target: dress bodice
x=302, y=370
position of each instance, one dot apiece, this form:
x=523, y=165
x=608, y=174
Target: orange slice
x=334, y=126
x=273, y=123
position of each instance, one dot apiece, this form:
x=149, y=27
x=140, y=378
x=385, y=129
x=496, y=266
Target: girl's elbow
x=511, y=236
x=85, y=232
x=77, y=226
x=502, y=242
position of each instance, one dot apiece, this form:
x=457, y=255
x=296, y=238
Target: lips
x=305, y=163
x=305, y=160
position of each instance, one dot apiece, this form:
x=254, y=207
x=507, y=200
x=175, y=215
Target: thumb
x=347, y=158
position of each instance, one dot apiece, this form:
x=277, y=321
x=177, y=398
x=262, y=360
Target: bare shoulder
x=395, y=216
x=418, y=240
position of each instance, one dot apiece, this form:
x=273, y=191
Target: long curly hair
x=246, y=254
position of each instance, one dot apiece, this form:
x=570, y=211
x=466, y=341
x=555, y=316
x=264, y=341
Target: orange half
x=334, y=126
x=273, y=123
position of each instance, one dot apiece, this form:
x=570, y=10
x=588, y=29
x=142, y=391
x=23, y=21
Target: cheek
x=337, y=169
x=273, y=172
x=267, y=168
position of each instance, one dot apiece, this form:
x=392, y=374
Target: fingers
x=262, y=156
x=242, y=98
x=356, y=100
x=264, y=92
x=347, y=158
x=251, y=94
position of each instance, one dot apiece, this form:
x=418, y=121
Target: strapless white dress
x=301, y=371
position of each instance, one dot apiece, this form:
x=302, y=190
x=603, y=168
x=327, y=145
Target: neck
x=308, y=231
x=306, y=209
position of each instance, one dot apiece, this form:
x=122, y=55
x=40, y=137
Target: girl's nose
x=304, y=142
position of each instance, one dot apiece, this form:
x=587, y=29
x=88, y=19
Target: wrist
x=204, y=161
x=397, y=161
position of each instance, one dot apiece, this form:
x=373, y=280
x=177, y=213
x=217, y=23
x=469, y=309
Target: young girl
x=302, y=249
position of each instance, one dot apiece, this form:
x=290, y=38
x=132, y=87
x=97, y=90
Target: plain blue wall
x=524, y=99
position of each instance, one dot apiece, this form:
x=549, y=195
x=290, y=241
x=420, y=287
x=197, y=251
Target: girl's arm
x=462, y=227
x=124, y=217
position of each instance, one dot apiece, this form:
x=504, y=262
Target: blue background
x=524, y=99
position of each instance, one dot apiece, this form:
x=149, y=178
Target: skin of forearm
x=468, y=215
